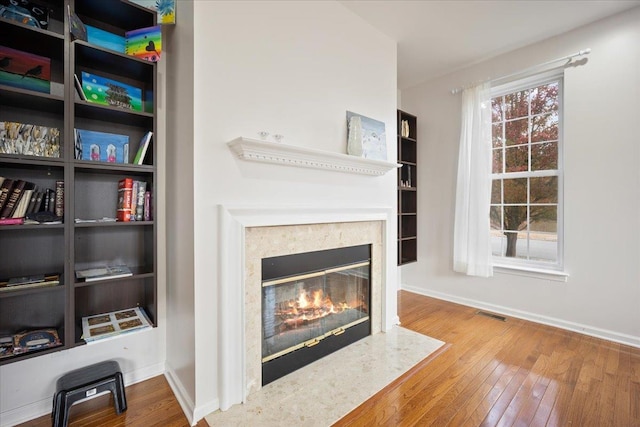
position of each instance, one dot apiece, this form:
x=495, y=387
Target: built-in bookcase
x=91, y=188
x=407, y=188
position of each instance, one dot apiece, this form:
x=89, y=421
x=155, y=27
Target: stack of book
x=134, y=200
x=102, y=273
x=25, y=282
x=107, y=325
x=20, y=198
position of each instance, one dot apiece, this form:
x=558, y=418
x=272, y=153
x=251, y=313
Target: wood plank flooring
x=511, y=373
x=490, y=373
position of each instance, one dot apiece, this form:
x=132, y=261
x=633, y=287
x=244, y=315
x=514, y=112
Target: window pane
x=516, y=132
x=497, y=161
x=517, y=159
x=516, y=104
x=544, y=156
x=544, y=219
x=544, y=189
x=496, y=135
x=496, y=217
x=496, y=109
x=544, y=98
x=515, y=191
x=498, y=243
x=496, y=195
x=544, y=128
x=516, y=245
x=515, y=218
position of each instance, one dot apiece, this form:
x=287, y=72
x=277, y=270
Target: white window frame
x=540, y=269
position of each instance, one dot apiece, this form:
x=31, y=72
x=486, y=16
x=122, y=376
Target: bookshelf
x=407, y=188
x=90, y=187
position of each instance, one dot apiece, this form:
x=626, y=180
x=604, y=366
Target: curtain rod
x=568, y=57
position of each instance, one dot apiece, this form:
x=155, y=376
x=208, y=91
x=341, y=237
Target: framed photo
x=366, y=137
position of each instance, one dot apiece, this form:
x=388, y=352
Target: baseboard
x=193, y=413
x=592, y=331
x=43, y=407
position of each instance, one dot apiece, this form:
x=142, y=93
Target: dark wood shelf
x=90, y=188
x=407, y=195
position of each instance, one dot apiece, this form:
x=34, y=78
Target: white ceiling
x=438, y=37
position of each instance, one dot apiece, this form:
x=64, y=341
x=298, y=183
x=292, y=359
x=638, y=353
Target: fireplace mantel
x=291, y=155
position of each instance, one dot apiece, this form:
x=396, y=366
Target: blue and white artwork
x=101, y=146
x=366, y=137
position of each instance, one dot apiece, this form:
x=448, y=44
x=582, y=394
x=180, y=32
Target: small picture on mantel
x=366, y=137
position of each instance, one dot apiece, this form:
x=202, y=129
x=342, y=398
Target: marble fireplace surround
x=249, y=234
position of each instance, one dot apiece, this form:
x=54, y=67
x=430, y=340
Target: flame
x=303, y=301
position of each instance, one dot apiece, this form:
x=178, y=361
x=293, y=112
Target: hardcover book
x=101, y=146
x=106, y=272
x=104, y=91
x=142, y=148
x=24, y=70
x=12, y=200
x=144, y=43
x=5, y=191
x=125, y=194
x=58, y=208
x=28, y=139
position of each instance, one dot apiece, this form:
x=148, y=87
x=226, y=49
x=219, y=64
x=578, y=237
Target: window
x=526, y=193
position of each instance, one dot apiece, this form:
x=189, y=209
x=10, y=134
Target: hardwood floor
x=511, y=373
x=490, y=373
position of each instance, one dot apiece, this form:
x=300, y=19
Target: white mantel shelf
x=291, y=155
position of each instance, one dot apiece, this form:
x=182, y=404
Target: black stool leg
x=119, y=395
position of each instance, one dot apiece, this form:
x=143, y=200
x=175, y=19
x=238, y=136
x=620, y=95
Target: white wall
x=292, y=68
x=602, y=181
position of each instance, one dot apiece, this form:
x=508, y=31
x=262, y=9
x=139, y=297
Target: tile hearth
x=321, y=393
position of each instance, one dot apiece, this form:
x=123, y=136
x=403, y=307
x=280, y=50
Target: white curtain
x=471, y=239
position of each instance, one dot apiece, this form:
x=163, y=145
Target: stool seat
x=86, y=382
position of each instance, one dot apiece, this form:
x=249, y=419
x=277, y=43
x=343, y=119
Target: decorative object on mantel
x=263, y=135
x=291, y=155
x=278, y=137
x=366, y=137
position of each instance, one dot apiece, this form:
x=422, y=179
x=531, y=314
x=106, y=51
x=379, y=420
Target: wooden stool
x=87, y=382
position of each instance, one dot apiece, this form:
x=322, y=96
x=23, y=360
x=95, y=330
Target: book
x=144, y=43
x=101, y=146
x=32, y=201
x=28, y=139
x=109, y=92
x=11, y=221
x=142, y=148
x=114, y=323
x=39, y=280
x=101, y=273
x=21, y=208
x=76, y=26
x=147, y=206
x=58, y=208
x=46, y=197
x=5, y=190
x=52, y=201
x=38, y=205
x=12, y=200
x=125, y=193
x=139, y=195
x=76, y=81
x=26, y=12
x=25, y=70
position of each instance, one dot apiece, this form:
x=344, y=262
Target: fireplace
x=313, y=304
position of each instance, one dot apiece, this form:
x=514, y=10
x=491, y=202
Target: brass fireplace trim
x=315, y=274
x=314, y=341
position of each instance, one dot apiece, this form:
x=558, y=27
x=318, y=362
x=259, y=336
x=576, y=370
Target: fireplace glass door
x=302, y=310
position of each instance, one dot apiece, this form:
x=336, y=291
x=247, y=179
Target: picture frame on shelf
x=366, y=137
x=25, y=70
x=101, y=146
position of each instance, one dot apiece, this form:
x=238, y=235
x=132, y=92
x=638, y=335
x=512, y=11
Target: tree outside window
x=525, y=174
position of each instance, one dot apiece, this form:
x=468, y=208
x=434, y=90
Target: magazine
x=114, y=323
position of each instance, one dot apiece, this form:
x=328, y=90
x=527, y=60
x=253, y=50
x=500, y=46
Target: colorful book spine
x=147, y=206
x=125, y=190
